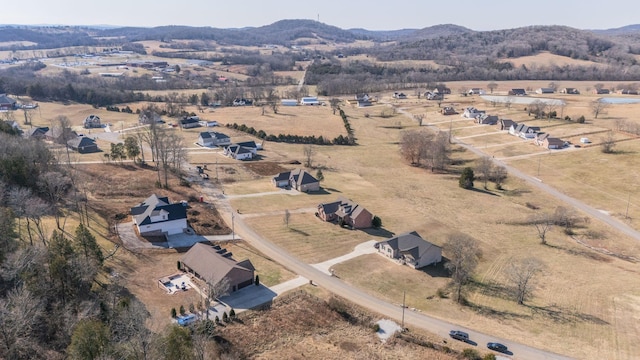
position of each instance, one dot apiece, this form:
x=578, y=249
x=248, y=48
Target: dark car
x=497, y=347
x=459, y=335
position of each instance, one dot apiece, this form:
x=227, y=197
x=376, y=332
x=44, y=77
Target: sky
x=346, y=14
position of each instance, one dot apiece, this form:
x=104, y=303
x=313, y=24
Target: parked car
x=497, y=347
x=459, y=335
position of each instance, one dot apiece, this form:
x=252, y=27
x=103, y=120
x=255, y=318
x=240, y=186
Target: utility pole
x=404, y=297
x=626, y=213
x=233, y=228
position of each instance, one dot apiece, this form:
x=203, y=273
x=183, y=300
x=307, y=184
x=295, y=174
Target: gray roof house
x=37, y=132
x=238, y=152
x=7, y=103
x=212, y=138
x=410, y=249
x=298, y=179
x=346, y=212
x=158, y=216
x=213, y=263
x=83, y=145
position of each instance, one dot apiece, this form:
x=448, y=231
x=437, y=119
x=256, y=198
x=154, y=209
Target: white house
x=309, y=100
x=241, y=151
x=212, y=138
x=411, y=249
x=157, y=216
x=289, y=102
x=472, y=113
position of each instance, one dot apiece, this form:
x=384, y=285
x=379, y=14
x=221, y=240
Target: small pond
x=619, y=100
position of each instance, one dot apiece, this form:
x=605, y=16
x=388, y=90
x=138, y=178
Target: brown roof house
x=213, y=264
x=298, y=179
x=410, y=249
x=346, y=212
x=158, y=216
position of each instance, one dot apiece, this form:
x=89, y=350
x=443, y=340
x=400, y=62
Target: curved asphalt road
x=359, y=297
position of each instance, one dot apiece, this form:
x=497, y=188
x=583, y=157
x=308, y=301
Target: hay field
x=547, y=59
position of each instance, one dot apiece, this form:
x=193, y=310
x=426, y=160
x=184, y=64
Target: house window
x=389, y=250
x=164, y=217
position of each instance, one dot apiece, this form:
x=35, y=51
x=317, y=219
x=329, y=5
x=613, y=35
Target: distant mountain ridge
x=283, y=32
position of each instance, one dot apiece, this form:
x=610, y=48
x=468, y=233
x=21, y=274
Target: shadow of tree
x=379, y=232
x=298, y=231
x=563, y=315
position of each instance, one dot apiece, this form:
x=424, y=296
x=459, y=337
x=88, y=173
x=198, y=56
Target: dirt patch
x=264, y=168
x=302, y=326
x=112, y=190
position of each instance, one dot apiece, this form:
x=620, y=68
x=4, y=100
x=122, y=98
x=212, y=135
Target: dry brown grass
x=303, y=327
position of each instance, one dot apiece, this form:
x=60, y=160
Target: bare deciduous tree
x=485, y=168
x=463, y=254
x=499, y=175
x=543, y=223
x=309, y=151
x=520, y=274
x=608, y=143
x=492, y=86
x=598, y=107
x=19, y=315
x=287, y=216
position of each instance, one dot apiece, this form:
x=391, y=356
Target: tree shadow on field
x=563, y=316
x=379, y=232
x=495, y=313
x=493, y=289
x=322, y=191
x=483, y=191
x=437, y=270
x=298, y=231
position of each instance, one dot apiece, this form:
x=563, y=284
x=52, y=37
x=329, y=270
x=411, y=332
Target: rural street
x=357, y=296
x=595, y=213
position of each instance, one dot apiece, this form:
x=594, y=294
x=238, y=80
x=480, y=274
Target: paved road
x=357, y=296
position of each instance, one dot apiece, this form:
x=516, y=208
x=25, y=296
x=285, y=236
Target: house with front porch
x=346, y=212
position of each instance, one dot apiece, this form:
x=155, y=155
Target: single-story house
x=83, y=145
x=628, y=92
x=289, y=102
x=486, y=119
x=362, y=100
x=212, y=138
x=545, y=140
x=298, y=179
x=239, y=152
x=190, y=122
x=37, y=132
x=448, y=110
x=309, y=100
x=242, y=102
x=545, y=91
x=208, y=123
x=213, y=264
x=517, y=92
x=433, y=96
x=524, y=131
x=601, y=91
x=572, y=91
x=346, y=212
x=442, y=89
x=399, y=95
x=7, y=103
x=92, y=121
x=476, y=91
x=158, y=216
x=411, y=249
x=505, y=124
x=471, y=112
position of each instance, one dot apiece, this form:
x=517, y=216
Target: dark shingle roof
x=154, y=205
x=80, y=141
x=410, y=244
